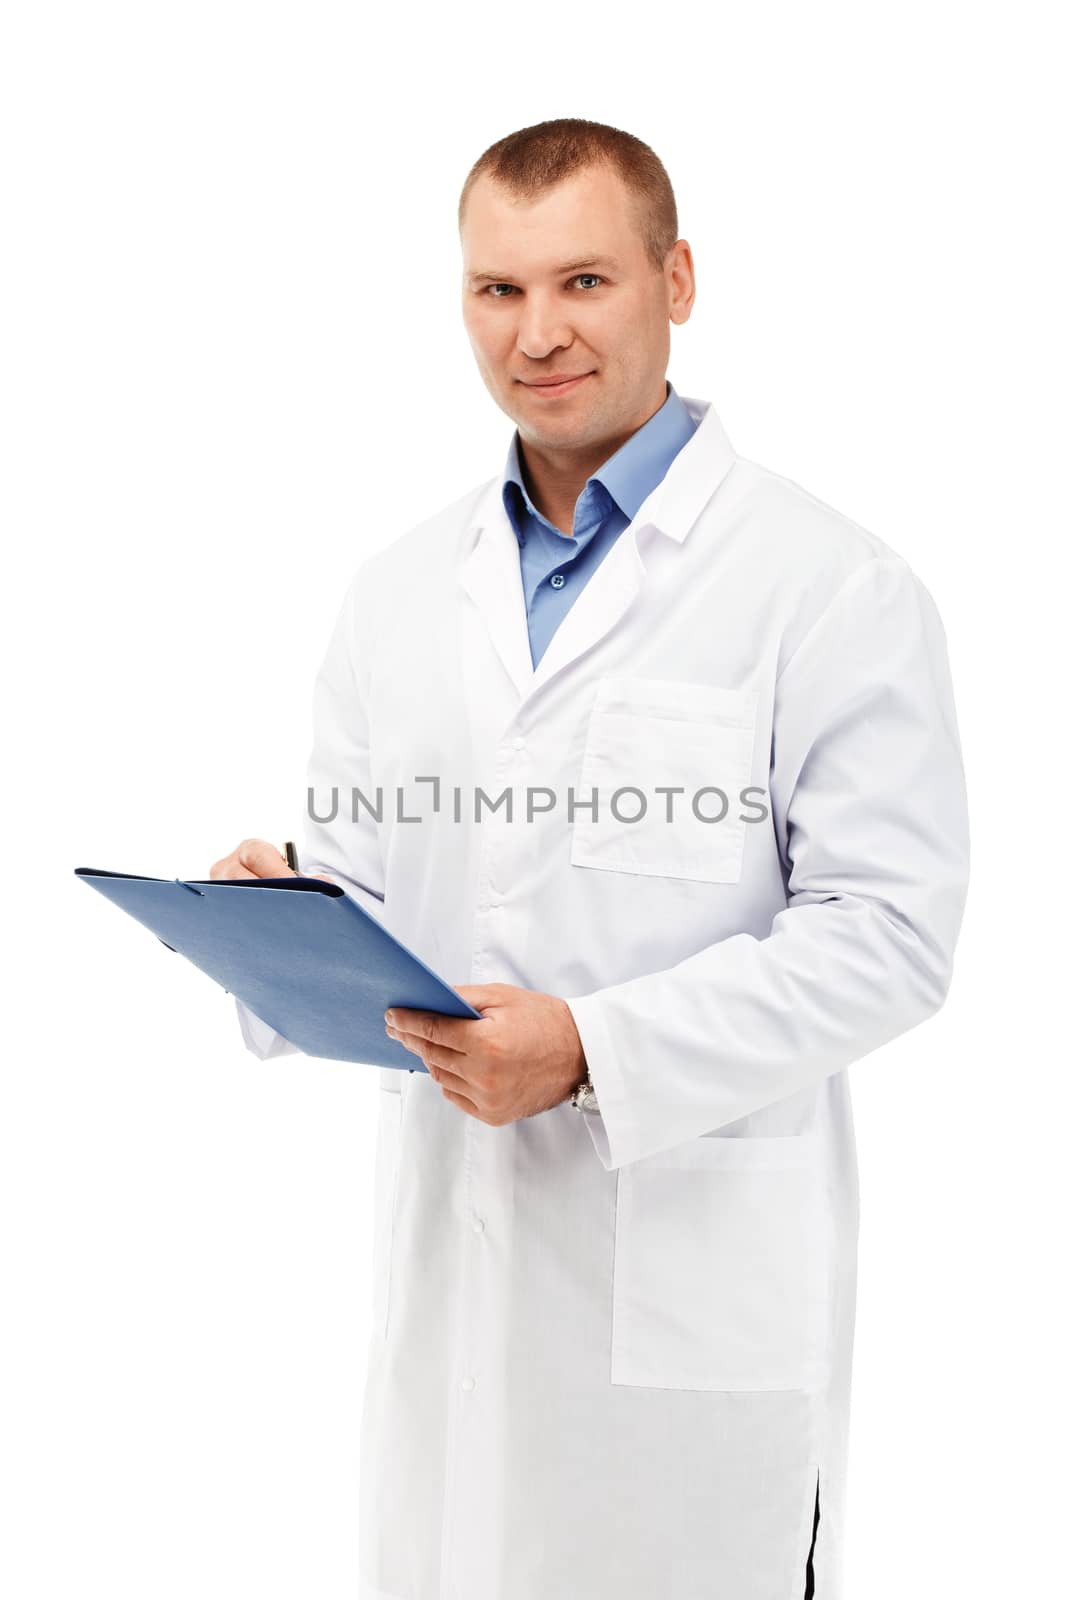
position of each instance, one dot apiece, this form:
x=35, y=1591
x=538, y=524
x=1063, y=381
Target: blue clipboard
x=301, y=954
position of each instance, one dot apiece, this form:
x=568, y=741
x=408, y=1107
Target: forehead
x=584, y=218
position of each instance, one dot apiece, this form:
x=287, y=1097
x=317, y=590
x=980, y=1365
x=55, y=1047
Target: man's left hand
x=522, y=1056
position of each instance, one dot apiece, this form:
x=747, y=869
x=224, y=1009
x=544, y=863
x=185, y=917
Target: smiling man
x=574, y=346
x=725, y=856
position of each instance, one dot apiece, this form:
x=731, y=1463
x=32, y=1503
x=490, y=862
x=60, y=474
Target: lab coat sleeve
x=870, y=811
x=339, y=763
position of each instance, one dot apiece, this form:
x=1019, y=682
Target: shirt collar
x=630, y=475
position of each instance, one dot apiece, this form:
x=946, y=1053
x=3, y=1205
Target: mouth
x=551, y=388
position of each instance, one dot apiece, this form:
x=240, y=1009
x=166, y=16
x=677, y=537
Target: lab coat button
x=477, y=1224
x=518, y=743
x=468, y=1383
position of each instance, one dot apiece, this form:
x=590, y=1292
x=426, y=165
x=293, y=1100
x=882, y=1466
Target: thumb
x=485, y=996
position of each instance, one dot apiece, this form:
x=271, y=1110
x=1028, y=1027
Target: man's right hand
x=257, y=858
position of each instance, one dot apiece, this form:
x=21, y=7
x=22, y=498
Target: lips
x=563, y=384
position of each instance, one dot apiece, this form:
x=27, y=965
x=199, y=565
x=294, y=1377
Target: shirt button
x=478, y=1225
x=518, y=743
x=557, y=580
x=468, y=1383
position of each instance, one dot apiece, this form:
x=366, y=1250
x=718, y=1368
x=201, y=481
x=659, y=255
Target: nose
x=543, y=326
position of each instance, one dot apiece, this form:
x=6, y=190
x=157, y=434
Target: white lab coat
x=611, y=1351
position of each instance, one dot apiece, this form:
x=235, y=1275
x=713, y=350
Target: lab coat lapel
x=492, y=577
x=606, y=598
x=491, y=574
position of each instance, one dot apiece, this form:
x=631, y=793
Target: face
x=561, y=287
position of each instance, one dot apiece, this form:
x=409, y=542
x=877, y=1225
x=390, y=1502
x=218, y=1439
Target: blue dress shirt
x=557, y=566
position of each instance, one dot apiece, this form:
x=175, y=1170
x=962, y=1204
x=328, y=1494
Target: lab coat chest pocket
x=721, y=1266
x=386, y=1170
x=650, y=735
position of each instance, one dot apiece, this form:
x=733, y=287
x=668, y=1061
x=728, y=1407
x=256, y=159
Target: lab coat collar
x=692, y=477
x=491, y=575
x=678, y=499
x=641, y=459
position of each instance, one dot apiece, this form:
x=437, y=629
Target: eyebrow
x=584, y=262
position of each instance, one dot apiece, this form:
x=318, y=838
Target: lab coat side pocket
x=386, y=1172
x=722, y=1266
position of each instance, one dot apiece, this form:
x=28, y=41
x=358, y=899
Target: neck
x=555, y=478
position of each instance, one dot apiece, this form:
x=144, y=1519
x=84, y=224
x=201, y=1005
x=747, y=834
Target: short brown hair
x=534, y=159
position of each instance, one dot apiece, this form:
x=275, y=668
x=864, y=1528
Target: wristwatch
x=584, y=1097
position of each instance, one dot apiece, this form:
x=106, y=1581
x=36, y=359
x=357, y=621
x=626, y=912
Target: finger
x=437, y=1054
x=463, y=1103
x=228, y=868
x=450, y=1080
x=431, y=1026
x=263, y=860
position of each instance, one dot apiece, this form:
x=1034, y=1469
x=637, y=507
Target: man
x=612, y=1334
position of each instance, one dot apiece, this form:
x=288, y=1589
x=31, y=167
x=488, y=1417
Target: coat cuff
x=610, y=1128
x=259, y=1037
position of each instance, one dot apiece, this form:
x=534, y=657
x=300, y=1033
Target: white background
x=233, y=362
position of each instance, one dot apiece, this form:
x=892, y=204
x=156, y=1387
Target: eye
x=490, y=287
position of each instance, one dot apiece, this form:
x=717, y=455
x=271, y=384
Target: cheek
x=630, y=324
x=487, y=336
x=609, y=338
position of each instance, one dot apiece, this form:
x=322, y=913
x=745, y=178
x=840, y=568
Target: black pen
x=289, y=850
